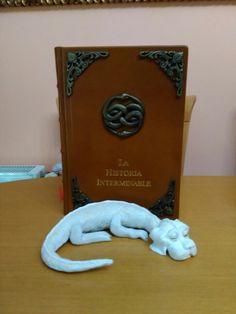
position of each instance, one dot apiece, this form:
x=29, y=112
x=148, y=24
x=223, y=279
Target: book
x=121, y=122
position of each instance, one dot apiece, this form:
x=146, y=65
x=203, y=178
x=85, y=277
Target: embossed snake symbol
x=123, y=115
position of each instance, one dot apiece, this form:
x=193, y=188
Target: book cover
x=121, y=119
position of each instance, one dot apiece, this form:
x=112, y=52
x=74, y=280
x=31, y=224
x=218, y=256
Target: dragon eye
x=173, y=235
x=186, y=232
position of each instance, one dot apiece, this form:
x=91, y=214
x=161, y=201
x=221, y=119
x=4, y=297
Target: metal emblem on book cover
x=77, y=63
x=78, y=197
x=171, y=62
x=123, y=115
x=164, y=206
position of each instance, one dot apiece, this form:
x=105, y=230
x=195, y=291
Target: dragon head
x=172, y=237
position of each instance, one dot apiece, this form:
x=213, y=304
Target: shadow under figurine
x=86, y=224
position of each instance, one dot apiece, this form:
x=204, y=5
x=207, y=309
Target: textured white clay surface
x=86, y=224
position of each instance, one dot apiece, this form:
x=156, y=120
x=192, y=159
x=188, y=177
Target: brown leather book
x=121, y=118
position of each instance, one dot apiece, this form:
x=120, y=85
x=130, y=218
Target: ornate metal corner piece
x=171, y=62
x=165, y=205
x=123, y=115
x=78, y=197
x=77, y=63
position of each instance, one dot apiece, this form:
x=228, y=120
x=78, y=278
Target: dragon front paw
x=142, y=234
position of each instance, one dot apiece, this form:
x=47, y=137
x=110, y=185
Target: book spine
x=61, y=78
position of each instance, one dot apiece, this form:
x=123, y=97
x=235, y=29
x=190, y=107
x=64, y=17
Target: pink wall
x=29, y=130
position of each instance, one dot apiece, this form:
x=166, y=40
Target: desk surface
x=140, y=281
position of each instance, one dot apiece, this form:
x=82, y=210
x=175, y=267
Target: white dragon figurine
x=86, y=224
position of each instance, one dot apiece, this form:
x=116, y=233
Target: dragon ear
x=158, y=245
x=159, y=249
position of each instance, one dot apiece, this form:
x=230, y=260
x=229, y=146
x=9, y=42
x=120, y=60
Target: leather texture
x=137, y=168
